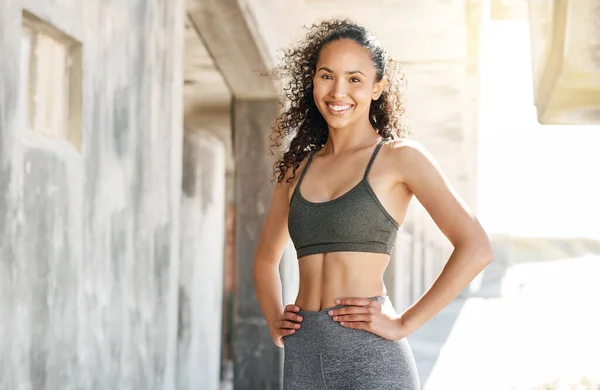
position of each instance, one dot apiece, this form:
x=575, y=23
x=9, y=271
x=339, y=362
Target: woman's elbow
x=486, y=255
x=483, y=251
x=477, y=246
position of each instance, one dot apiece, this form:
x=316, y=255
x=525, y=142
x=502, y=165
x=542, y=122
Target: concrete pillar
x=406, y=240
x=417, y=271
x=390, y=276
x=397, y=277
x=429, y=262
x=201, y=264
x=217, y=122
x=290, y=274
x=257, y=360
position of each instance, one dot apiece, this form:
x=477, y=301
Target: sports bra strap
x=373, y=157
x=310, y=156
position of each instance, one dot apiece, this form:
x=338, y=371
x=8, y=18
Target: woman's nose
x=338, y=90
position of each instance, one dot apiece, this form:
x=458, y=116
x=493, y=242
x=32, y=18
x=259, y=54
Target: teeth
x=339, y=108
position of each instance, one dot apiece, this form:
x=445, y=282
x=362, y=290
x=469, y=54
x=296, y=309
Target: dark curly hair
x=301, y=128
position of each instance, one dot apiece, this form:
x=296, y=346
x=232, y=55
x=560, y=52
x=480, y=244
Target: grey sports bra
x=353, y=222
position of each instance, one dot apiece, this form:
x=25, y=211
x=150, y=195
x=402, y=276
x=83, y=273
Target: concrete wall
x=89, y=240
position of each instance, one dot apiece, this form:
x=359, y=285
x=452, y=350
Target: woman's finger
x=288, y=325
x=285, y=332
x=293, y=308
x=291, y=317
x=349, y=310
x=354, y=318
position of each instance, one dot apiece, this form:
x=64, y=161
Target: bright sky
x=533, y=180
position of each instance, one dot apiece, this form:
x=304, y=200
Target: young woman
x=343, y=187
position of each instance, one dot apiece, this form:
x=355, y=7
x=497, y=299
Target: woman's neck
x=345, y=139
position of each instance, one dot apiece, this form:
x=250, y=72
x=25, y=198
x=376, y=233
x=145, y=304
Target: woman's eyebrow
x=349, y=72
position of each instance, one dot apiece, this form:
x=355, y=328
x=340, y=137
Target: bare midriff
x=325, y=277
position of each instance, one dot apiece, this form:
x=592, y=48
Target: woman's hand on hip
x=369, y=315
x=286, y=325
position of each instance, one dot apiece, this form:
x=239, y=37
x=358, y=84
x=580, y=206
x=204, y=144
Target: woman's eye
x=355, y=80
x=326, y=77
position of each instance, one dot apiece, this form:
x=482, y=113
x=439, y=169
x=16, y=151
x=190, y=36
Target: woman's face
x=344, y=83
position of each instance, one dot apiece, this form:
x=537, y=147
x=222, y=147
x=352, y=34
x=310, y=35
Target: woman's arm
x=472, y=249
x=272, y=243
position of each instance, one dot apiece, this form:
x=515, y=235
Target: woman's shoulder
x=410, y=160
x=404, y=149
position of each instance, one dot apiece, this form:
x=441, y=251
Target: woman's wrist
x=403, y=327
x=274, y=317
x=272, y=325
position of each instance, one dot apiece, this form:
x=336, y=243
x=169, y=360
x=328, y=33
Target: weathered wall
x=89, y=242
x=10, y=187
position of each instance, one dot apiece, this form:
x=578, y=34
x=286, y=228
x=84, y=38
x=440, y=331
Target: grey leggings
x=323, y=355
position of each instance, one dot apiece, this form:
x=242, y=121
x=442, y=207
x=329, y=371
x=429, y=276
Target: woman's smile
x=339, y=108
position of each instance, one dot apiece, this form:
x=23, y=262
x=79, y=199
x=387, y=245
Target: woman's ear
x=378, y=88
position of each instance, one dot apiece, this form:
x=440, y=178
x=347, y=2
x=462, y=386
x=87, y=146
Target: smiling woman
x=304, y=121
x=344, y=96
x=345, y=124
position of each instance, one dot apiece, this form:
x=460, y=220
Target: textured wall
x=10, y=188
x=89, y=241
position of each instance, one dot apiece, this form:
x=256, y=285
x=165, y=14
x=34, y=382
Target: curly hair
x=301, y=128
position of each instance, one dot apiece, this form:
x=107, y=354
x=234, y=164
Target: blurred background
x=135, y=177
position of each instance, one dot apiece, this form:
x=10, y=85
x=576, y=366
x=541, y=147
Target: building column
x=417, y=260
x=201, y=262
x=290, y=274
x=398, y=276
x=257, y=361
x=430, y=261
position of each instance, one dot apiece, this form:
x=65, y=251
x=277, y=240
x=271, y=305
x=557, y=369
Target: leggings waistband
x=380, y=298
